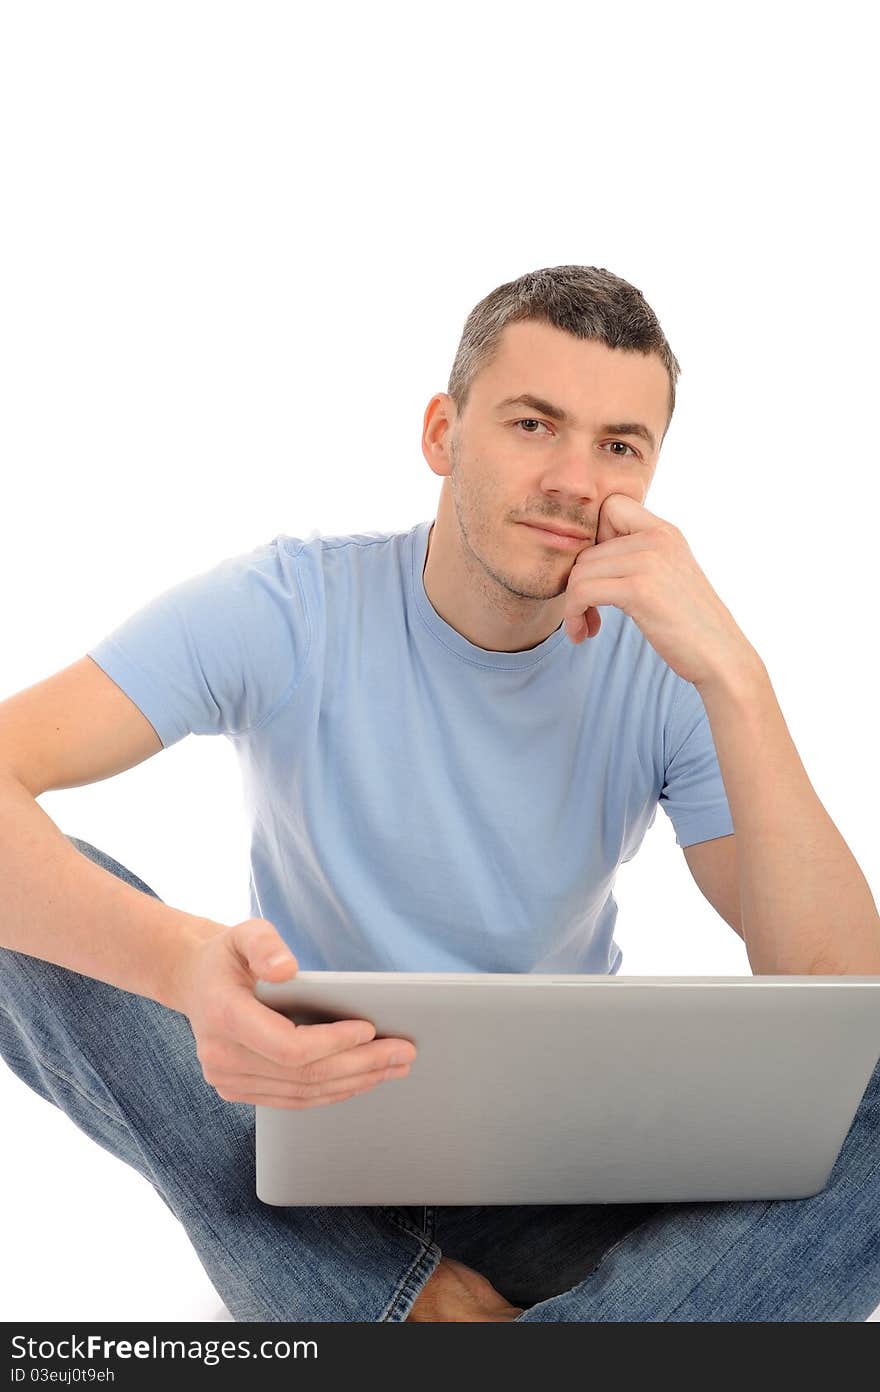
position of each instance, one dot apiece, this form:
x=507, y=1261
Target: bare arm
x=78, y=727
x=58, y=905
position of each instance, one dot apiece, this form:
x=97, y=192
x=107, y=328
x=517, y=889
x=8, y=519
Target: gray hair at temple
x=586, y=301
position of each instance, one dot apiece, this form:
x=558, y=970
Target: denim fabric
x=124, y=1069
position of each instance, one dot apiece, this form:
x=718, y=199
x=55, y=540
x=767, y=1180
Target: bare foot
x=455, y=1292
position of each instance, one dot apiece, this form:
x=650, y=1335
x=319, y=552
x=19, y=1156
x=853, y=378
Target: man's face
x=517, y=463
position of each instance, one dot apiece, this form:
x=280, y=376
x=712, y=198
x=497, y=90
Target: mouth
x=562, y=540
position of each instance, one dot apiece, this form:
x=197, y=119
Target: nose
x=578, y=481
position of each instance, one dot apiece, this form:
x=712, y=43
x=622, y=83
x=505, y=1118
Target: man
x=438, y=780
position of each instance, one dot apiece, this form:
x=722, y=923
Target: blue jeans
x=124, y=1069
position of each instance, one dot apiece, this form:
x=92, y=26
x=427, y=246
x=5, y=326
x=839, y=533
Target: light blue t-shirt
x=418, y=803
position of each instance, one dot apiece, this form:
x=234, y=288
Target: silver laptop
x=578, y=1089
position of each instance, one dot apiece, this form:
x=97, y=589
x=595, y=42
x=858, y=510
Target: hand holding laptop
x=250, y=1053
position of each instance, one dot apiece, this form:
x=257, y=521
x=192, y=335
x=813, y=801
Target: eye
x=625, y=445
x=529, y=420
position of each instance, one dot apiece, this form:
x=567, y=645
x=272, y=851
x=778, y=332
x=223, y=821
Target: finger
x=272, y=1035
x=281, y=1087
x=590, y=592
x=267, y=1099
x=259, y=944
x=237, y=1058
x=585, y=625
x=617, y=545
x=293, y=1104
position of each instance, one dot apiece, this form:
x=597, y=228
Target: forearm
x=806, y=906
x=60, y=906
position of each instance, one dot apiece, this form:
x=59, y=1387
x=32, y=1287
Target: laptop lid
x=529, y=1088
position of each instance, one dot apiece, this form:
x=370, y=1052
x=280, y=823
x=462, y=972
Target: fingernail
x=278, y=959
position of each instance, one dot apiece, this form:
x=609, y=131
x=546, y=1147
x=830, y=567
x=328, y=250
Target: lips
x=560, y=531
x=557, y=538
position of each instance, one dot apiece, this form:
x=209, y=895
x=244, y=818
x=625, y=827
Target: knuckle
x=302, y=1090
x=314, y=1072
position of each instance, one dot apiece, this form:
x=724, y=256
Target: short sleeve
x=217, y=653
x=693, y=794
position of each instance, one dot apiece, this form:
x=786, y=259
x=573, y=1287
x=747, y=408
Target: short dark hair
x=586, y=301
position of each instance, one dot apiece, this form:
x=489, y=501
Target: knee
x=108, y=863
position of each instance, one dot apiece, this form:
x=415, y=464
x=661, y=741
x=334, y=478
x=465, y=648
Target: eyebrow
x=546, y=408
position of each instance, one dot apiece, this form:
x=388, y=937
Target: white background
x=239, y=243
